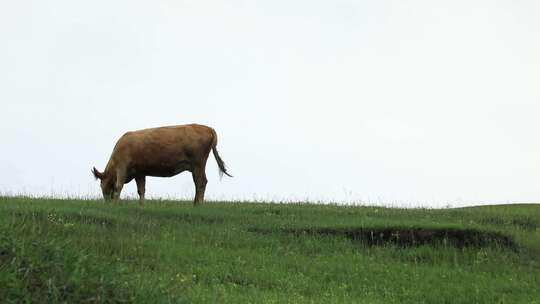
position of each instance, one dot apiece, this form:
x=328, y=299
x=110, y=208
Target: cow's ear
x=97, y=174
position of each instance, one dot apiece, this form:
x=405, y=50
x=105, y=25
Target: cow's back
x=163, y=151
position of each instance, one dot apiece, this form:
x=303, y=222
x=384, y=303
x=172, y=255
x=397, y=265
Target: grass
x=79, y=251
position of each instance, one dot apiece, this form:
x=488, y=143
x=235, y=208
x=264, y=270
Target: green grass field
x=77, y=251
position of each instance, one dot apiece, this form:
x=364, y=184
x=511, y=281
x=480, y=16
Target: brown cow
x=162, y=152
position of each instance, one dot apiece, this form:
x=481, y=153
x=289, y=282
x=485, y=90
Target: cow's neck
x=110, y=169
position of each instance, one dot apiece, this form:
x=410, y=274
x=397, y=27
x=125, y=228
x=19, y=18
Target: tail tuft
x=220, y=162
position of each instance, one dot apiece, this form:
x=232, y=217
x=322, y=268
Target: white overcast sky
x=416, y=103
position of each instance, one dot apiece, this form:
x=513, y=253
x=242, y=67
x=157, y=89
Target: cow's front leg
x=199, y=178
x=119, y=184
x=141, y=188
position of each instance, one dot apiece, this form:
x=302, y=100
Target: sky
x=395, y=103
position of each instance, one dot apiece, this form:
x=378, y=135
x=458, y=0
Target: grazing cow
x=162, y=152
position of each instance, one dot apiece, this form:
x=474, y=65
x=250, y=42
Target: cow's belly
x=164, y=170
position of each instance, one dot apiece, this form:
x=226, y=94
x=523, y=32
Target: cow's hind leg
x=141, y=187
x=199, y=178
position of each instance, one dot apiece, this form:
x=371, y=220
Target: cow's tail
x=220, y=162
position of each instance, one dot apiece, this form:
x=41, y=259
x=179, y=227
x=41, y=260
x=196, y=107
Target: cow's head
x=107, y=183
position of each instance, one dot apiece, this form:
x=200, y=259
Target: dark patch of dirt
x=407, y=237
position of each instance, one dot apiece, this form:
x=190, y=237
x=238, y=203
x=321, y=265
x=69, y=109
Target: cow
x=162, y=152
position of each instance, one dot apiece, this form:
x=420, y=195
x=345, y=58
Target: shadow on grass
x=63, y=218
x=525, y=223
x=407, y=237
x=175, y=217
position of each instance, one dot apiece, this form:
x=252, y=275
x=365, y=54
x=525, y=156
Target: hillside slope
x=88, y=251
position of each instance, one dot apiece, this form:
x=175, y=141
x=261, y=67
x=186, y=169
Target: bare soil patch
x=406, y=237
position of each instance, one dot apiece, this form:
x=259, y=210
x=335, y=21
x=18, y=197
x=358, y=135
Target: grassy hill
x=170, y=252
